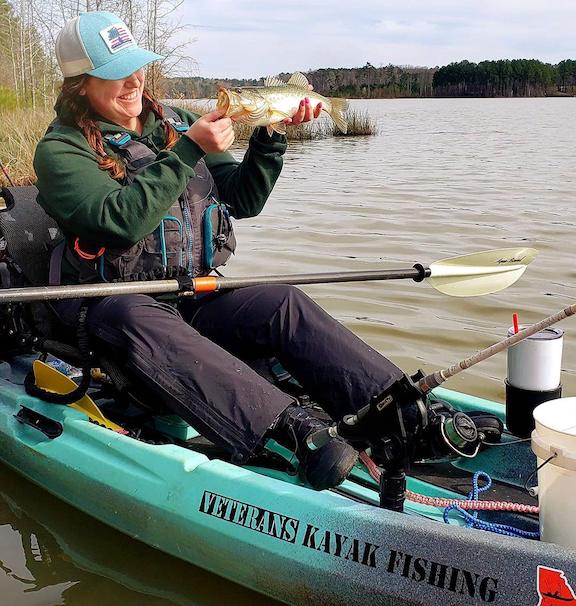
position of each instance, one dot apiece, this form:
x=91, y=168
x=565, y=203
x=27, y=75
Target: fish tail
x=338, y=113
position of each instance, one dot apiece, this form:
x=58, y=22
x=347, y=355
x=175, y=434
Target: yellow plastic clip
x=53, y=380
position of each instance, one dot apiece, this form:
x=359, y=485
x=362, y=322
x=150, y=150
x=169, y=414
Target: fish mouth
x=230, y=102
x=223, y=101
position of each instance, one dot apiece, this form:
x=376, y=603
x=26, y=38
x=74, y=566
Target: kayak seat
x=29, y=234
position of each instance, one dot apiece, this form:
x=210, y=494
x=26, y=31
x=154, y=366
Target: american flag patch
x=117, y=37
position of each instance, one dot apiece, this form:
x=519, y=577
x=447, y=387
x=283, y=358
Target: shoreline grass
x=21, y=129
x=360, y=124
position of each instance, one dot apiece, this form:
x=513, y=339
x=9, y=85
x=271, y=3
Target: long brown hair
x=79, y=113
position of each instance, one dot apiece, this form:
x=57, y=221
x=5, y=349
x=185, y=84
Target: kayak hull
x=265, y=530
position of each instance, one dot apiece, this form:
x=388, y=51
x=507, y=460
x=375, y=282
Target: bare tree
x=28, y=30
x=160, y=33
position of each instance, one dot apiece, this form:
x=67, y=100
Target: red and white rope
x=375, y=473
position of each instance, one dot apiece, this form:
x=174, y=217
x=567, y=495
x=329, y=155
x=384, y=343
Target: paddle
x=463, y=276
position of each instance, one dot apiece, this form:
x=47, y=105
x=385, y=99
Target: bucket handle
x=544, y=450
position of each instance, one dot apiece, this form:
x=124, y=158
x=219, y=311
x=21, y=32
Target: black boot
x=324, y=467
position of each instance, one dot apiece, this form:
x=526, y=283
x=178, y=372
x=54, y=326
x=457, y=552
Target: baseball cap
x=100, y=44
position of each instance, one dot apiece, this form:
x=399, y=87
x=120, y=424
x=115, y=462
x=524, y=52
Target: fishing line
x=452, y=447
x=531, y=489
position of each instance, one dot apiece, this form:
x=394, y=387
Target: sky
x=255, y=38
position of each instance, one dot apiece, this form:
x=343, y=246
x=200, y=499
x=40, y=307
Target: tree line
x=366, y=82
x=29, y=75
x=503, y=78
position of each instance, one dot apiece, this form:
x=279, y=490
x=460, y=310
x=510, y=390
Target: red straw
x=515, y=322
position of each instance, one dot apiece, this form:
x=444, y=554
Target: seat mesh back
x=29, y=232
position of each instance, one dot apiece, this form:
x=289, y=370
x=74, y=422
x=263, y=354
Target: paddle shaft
x=80, y=291
x=437, y=378
x=212, y=283
x=202, y=284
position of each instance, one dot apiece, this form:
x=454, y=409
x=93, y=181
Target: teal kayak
x=262, y=528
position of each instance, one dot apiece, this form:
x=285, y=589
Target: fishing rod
x=385, y=410
x=432, y=432
x=462, y=276
x=437, y=378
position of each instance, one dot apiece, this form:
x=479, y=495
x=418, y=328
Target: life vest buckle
x=118, y=140
x=177, y=125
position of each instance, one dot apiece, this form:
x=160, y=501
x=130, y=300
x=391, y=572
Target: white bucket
x=555, y=434
x=535, y=363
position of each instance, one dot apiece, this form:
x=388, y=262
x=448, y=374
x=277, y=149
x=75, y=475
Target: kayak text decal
x=553, y=588
x=448, y=578
x=340, y=546
x=344, y=547
x=287, y=529
x=255, y=518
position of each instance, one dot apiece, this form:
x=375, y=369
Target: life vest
x=195, y=234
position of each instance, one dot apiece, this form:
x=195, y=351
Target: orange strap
x=206, y=284
x=85, y=255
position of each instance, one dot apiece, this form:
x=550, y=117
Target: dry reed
x=21, y=129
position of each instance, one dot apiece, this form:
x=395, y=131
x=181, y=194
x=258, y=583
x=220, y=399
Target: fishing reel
x=400, y=427
x=452, y=433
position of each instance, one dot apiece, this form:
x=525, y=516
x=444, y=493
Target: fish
x=271, y=104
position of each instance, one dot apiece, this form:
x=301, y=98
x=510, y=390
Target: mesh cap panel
x=70, y=51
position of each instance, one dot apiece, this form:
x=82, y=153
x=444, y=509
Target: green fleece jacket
x=86, y=202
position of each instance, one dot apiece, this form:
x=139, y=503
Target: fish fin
x=278, y=127
x=270, y=130
x=276, y=115
x=338, y=113
x=299, y=80
x=273, y=81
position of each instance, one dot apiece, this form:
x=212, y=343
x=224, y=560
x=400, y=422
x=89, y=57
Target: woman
x=141, y=189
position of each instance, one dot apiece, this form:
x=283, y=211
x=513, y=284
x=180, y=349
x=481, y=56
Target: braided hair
x=79, y=114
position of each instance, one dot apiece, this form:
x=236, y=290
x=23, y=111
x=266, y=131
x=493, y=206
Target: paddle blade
x=480, y=273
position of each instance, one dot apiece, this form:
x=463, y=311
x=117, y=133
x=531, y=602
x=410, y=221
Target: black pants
x=192, y=361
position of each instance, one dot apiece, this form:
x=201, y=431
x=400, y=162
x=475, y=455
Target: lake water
x=443, y=177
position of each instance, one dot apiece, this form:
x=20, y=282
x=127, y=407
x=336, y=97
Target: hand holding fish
x=304, y=113
x=212, y=132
